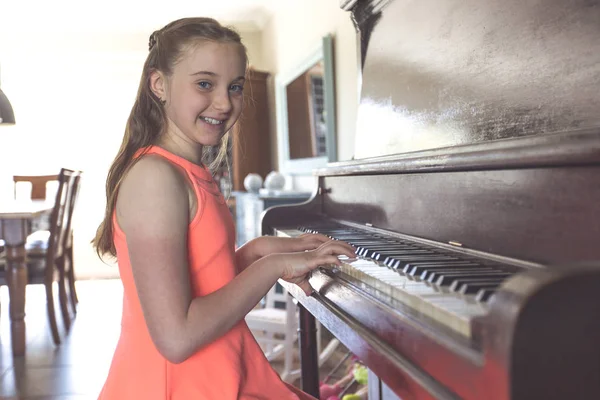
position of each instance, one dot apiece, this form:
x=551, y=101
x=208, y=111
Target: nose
x=222, y=101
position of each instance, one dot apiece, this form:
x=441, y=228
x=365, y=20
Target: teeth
x=211, y=120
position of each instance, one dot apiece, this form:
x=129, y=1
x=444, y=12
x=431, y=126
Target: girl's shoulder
x=153, y=167
x=154, y=185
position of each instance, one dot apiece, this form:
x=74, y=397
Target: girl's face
x=205, y=92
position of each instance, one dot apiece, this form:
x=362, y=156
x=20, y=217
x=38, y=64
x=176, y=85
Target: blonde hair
x=148, y=120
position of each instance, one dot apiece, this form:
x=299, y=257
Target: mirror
x=305, y=100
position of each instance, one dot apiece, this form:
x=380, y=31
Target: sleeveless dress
x=231, y=367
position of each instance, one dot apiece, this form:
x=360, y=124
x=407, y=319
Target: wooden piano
x=473, y=200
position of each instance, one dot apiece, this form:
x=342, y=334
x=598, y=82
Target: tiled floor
x=76, y=370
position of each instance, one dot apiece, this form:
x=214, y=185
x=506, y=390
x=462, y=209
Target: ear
x=158, y=85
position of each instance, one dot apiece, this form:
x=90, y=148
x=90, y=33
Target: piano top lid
x=442, y=73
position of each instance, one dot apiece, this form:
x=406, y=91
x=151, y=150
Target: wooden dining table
x=16, y=218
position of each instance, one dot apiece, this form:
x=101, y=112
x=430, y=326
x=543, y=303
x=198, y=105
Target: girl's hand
x=266, y=245
x=296, y=266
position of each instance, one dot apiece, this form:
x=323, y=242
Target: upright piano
x=473, y=200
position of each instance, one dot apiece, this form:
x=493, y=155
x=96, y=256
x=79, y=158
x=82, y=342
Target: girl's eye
x=204, y=84
x=236, y=88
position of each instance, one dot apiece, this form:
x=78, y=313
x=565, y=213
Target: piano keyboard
x=448, y=287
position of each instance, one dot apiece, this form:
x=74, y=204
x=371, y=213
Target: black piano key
x=386, y=248
x=350, y=239
x=362, y=251
x=380, y=255
x=431, y=275
x=366, y=246
x=484, y=295
x=359, y=241
x=358, y=251
x=392, y=247
x=366, y=251
x=339, y=230
x=474, y=288
x=416, y=269
x=369, y=251
x=401, y=261
x=409, y=266
x=382, y=244
x=371, y=239
x=347, y=234
x=447, y=279
x=335, y=232
x=458, y=283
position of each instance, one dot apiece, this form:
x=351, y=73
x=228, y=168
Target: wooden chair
x=68, y=264
x=275, y=329
x=48, y=254
x=39, y=184
x=39, y=191
x=62, y=253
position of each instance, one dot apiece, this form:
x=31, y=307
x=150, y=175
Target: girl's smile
x=204, y=94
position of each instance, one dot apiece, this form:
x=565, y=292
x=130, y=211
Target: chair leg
x=51, y=313
x=62, y=294
x=328, y=351
x=71, y=279
x=288, y=358
x=269, y=345
x=319, y=344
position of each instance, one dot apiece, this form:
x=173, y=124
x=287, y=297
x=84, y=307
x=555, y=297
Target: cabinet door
x=251, y=139
x=247, y=219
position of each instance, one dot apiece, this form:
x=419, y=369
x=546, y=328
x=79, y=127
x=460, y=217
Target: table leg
x=16, y=263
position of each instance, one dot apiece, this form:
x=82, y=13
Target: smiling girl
x=186, y=288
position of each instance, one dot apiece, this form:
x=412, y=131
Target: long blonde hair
x=148, y=120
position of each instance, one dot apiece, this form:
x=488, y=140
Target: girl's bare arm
x=153, y=211
x=262, y=246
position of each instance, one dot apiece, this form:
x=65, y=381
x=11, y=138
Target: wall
x=289, y=36
x=72, y=95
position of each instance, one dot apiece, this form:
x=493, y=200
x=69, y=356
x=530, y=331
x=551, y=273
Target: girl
x=186, y=289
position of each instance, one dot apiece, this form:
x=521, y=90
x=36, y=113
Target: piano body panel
x=540, y=215
x=446, y=73
x=542, y=334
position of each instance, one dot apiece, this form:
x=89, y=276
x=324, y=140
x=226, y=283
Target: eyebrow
x=215, y=74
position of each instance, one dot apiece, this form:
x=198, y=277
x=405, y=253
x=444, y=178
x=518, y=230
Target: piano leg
x=309, y=358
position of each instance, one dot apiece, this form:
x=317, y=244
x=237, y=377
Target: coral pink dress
x=230, y=368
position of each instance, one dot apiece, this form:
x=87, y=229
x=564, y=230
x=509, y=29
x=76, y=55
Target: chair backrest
x=39, y=184
x=276, y=297
x=72, y=200
x=60, y=220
